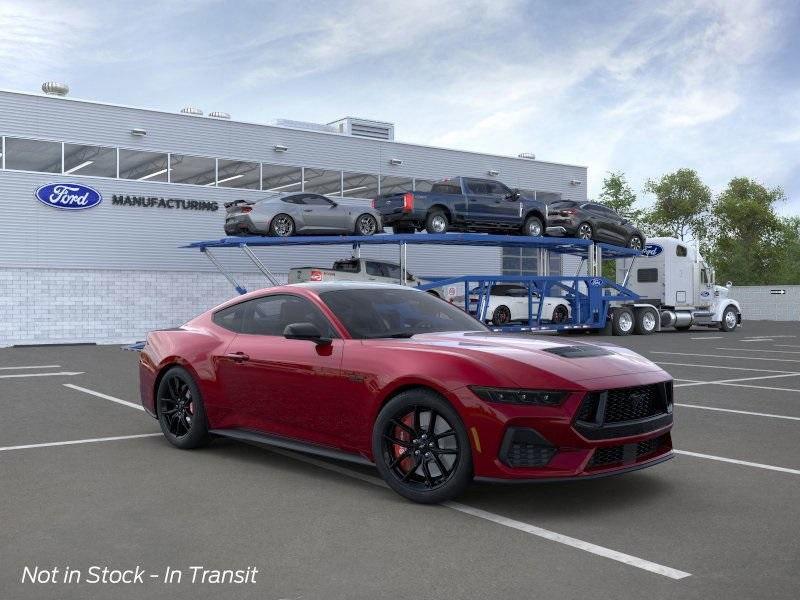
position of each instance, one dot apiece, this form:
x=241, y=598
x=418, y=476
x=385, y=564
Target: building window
x=97, y=161
x=396, y=185
x=525, y=261
x=143, y=166
x=278, y=178
x=195, y=170
x=238, y=174
x=321, y=181
x=33, y=155
x=359, y=185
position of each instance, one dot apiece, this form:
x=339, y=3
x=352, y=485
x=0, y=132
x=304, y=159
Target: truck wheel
x=501, y=315
x=622, y=321
x=645, y=322
x=403, y=229
x=436, y=222
x=729, y=319
x=533, y=227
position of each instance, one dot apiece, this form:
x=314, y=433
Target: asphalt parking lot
x=721, y=520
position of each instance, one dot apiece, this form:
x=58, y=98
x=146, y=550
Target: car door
x=506, y=207
x=479, y=201
x=280, y=386
x=323, y=215
x=598, y=217
x=617, y=228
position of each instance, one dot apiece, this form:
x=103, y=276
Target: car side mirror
x=334, y=204
x=513, y=195
x=305, y=331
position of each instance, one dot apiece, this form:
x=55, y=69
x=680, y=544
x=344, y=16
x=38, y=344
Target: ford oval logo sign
x=595, y=282
x=652, y=250
x=68, y=196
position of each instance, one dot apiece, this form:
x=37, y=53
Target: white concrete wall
x=758, y=303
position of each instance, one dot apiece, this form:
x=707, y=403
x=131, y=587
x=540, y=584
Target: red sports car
x=393, y=376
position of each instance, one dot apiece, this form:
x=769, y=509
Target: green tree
x=788, y=268
x=618, y=195
x=681, y=206
x=750, y=240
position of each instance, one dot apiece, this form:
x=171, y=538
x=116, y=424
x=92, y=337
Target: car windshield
x=390, y=312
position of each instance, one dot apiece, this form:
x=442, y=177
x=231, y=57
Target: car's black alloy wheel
x=282, y=226
x=421, y=448
x=366, y=225
x=560, y=314
x=585, y=231
x=180, y=410
x=501, y=315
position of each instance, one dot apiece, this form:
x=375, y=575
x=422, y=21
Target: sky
x=639, y=87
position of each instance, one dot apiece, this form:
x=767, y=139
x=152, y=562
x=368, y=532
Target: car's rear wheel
x=180, y=410
x=501, y=315
x=560, y=314
x=635, y=242
x=585, y=231
x=436, y=222
x=281, y=226
x=421, y=447
x=366, y=224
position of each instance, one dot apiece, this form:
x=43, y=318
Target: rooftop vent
x=219, y=115
x=527, y=155
x=304, y=125
x=191, y=110
x=376, y=130
x=53, y=88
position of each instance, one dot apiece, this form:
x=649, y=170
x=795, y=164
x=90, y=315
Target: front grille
x=610, y=455
x=523, y=447
x=629, y=404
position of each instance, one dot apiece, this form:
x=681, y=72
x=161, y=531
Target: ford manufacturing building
x=116, y=270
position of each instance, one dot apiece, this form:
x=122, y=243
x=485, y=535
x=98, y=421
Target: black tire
x=366, y=225
x=501, y=315
x=645, y=321
x=584, y=231
x=730, y=319
x=636, y=242
x=533, y=227
x=622, y=321
x=437, y=221
x=282, y=225
x=560, y=314
x=442, y=468
x=180, y=410
x=403, y=229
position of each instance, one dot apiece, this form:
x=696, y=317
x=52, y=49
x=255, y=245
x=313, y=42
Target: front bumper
x=513, y=442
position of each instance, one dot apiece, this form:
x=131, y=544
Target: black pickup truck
x=463, y=204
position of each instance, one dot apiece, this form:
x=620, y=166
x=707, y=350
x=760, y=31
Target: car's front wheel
x=421, y=447
x=180, y=410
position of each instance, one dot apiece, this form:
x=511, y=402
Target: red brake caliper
x=401, y=434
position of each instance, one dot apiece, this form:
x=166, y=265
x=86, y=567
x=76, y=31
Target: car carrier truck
x=676, y=289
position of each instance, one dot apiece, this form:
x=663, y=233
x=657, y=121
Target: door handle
x=237, y=356
x=307, y=210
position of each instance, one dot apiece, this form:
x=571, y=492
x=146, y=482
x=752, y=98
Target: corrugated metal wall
x=129, y=237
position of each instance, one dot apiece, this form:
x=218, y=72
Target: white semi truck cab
x=676, y=288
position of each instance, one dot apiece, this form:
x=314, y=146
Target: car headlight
x=512, y=396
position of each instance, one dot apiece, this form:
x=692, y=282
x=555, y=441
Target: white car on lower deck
x=509, y=303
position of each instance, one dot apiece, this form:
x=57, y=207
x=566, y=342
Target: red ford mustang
x=393, y=376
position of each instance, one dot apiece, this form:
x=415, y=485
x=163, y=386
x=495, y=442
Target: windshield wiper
x=396, y=334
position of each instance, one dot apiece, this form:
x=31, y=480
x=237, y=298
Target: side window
x=392, y=271
x=298, y=199
x=647, y=275
x=517, y=292
x=703, y=276
x=271, y=314
x=375, y=269
x=231, y=318
x=477, y=187
x=680, y=250
x=315, y=200
x=497, y=189
x=445, y=187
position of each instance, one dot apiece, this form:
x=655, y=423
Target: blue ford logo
x=652, y=250
x=595, y=282
x=68, y=196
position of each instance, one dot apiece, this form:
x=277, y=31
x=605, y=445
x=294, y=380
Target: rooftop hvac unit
x=376, y=130
x=53, y=88
x=191, y=110
x=304, y=125
x=219, y=115
x=527, y=155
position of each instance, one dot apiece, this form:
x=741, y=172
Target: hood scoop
x=586, y=351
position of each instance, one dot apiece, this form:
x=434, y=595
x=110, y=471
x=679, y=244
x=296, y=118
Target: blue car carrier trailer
x=595, y=302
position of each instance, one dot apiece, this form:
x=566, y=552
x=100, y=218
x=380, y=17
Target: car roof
x=327, y=286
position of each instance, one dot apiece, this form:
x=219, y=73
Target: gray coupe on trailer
x=301, y=213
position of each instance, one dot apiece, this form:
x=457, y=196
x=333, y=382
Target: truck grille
x=611, y=455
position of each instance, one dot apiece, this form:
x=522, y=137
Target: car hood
x=518, y=355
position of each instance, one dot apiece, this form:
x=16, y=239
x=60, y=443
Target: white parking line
x=757, y=340
x=724, y=356
x=708, y=337
x=760, y=350
x=17, y=375
x=31, y=367
x=73, y=442
x=723, y=367
x=738, y=462
x=104, y=396
x=505, y=521
x=693, y=382
x=787, y=346
x=739, y=412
